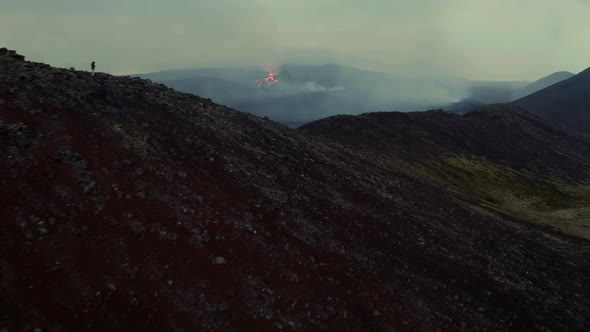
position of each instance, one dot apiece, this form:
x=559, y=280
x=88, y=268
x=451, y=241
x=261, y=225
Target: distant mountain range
x=483, y=93
x=306, y=93
x=566, y=103
x=233, y=74
x=492, y=92
x=562, y=97
x=541, y=84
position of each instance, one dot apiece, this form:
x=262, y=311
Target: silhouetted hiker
x=93, y=66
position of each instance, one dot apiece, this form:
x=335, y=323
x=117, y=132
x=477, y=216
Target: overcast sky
x=495, y=40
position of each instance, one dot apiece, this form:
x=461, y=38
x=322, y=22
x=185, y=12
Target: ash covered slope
x=501, y=133
x=500, y=156
x=127, y=205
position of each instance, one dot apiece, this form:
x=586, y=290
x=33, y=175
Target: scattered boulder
x=219, y=260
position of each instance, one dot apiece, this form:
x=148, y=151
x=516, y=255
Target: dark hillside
x=501, y=133
x=500, y=154
x=126, y=205
x=566, y=103
x=541, y=84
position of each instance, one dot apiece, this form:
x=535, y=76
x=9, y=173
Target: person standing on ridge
x=93, y=66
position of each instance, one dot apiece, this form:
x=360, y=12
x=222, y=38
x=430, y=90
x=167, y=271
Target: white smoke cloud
x=316, y=87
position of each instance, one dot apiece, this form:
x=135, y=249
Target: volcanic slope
x=129, y=206
x=501, y=155
x=566, y=103
x=541, y=84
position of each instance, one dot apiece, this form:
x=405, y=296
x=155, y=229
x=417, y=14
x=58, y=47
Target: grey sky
x=495, y=39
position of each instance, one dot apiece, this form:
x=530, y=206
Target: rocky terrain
x=129, y=206
x=500, y=154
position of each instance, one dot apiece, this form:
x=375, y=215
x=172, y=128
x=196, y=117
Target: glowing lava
x=269, y=80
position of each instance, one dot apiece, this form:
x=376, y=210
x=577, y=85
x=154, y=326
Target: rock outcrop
x=11, y=54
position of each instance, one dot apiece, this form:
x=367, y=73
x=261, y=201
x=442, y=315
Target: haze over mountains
x=123, y=198
x=566, y=103
x=306, y=93
x=541, y=84
x=503, y=92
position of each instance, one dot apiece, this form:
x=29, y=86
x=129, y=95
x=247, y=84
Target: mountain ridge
x=505, y=95
x=541, y=84
x=500, y=154
x=565, y=102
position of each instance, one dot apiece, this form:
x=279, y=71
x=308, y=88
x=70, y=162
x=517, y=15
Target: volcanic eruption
x=269, y=80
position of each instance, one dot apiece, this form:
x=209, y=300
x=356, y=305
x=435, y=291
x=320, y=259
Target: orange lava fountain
x=269, y=80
